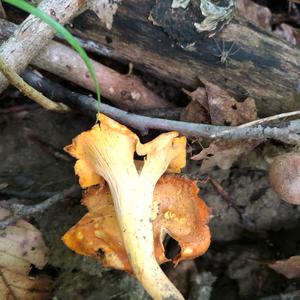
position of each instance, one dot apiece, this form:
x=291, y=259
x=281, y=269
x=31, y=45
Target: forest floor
x=236, y=263
x=250, y=230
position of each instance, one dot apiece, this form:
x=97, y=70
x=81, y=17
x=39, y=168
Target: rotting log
x=265, y=67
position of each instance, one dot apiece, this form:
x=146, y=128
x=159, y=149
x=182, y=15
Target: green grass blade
x=65, y=33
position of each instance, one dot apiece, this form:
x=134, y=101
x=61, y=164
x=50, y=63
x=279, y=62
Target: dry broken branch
x=287, y=131
x=19, y=211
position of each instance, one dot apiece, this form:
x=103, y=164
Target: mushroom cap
x=183, y=215
x=177, y=210
x=284, y=175
x=107, y=151
x=98, y=234
x=110, y=145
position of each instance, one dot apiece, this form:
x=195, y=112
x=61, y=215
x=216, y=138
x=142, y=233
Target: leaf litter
x=21, y=247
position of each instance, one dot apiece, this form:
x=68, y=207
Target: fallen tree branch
x=127, y=92
x=30, y=92
x=33, y=34
x=287, y=131
x=19, y=211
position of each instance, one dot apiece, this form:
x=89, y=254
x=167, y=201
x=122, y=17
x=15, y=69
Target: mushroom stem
x=134, y=218
x=107, y=151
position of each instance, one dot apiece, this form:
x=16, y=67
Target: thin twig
x=30, y=92
x=245, y=222
x=271, y=118
x=48, y=148
x=264, y=120
x=19, y=211
x=287, y=131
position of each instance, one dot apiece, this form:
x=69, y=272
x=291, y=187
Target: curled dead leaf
x=197, y=110
x=21, y=246
x=217, y=107
x=225, y=110
x=290, y=267
x=224, y=153
x=216, y=17
x=177, y=211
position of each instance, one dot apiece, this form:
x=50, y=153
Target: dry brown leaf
x=197, y=110
x=194, y=112
x=256, y=13
x=224, y=153
x=217, y=107
x=199, y=95
x=214, y=105
x=177, y=210
x=225, y=110
x=290, y=267
x=21, y=246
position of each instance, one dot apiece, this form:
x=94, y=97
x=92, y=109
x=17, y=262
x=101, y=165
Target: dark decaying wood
x=265, y=67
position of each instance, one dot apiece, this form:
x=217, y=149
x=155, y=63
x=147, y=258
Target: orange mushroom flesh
x=177, y=211
x=183, y=215
x=107, y=150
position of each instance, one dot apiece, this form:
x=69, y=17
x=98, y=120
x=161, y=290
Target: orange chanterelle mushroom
x=127, y=222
